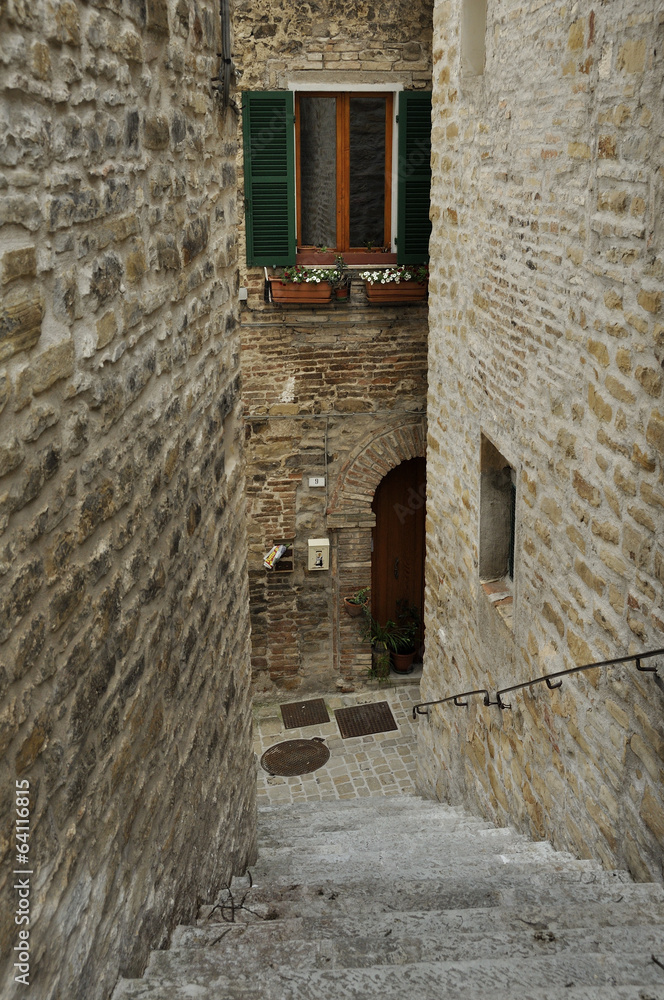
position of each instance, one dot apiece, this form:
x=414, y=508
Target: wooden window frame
x=343, y=99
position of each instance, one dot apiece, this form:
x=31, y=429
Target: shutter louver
x=414, y=184
x=269, y=177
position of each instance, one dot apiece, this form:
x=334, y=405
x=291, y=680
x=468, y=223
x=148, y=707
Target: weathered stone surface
x=45, y=370
x=107, y=625
x=11, y=456
x=19, y=264
x=156, y=134
x=195, y=239
x=21, y=315
x=530, y=357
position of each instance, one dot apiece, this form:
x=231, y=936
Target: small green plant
x=380, y=666
x=408, y=626
x=361, y=597
x=378, y=635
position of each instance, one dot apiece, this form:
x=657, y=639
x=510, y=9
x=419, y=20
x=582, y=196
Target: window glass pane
x=318, y=171
x=367, y=171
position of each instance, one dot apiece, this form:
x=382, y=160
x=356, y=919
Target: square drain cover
x=304, y=713
x=363, y=720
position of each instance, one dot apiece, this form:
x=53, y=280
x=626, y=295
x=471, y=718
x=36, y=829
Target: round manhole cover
x=295, y=757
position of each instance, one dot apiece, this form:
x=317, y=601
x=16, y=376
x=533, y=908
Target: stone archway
x=367, y=464
x=350, y=518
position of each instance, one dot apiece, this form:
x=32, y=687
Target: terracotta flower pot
x=354, y=610
x=300, y=293
x=403, y=662
x=396, y=291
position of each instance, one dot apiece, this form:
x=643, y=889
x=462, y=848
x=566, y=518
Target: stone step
x=379, y=830
x=558, y=920
x=400, y=896
x=383, y=832
x=346, y=870
x=327, y=898
x=376, y=805
x=379, y=803
x=240, y=953
x=416, y=848
x=544, y=978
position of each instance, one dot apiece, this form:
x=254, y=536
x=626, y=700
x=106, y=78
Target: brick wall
x=321, y=384
x=123, y=592
x=336, y=392
x=547, y=337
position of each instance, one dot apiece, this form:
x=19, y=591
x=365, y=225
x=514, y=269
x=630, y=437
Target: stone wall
x=124, y=642
x=338, y=393
x=279, y=45
x=321, y=384
x=547, y=337
x=275, y=41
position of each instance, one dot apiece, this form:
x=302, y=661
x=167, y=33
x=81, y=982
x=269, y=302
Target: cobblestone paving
x=382, y=764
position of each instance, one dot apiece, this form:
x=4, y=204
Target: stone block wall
x=272, y=41
x=279, y=45
x=322, y=384
x=124, y=630
x=547, y=338
x=339, y=393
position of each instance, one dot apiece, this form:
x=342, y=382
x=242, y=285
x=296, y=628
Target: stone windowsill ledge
x=500, y=594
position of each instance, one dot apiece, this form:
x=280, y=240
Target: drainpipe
x=222, y=83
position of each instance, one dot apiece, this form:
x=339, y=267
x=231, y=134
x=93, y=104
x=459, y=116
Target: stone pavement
x=382, y=764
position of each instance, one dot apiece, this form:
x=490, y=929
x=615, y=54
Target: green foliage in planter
x=361, y=597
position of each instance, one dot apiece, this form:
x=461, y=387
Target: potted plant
x=379, y=636
x=300, y=285
x=403, y=638
x=341, y=280
x=408, y=283
x=356, y=603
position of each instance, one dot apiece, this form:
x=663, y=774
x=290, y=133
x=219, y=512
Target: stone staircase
x=395, y=897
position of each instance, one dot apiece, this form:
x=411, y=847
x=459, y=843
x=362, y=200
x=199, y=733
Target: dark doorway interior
x=397, y=562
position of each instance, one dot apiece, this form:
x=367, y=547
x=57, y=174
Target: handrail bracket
x=644, y=670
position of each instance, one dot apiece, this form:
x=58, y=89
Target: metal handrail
x=452, y=697
x=544, y=679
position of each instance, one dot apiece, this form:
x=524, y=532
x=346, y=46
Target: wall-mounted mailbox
x=318, y=553
x=280, y=557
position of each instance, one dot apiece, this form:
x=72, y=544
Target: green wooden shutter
x=269, y=177
x=414, y=184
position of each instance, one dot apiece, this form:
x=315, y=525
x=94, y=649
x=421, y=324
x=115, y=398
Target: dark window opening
x=497, y=514
x=344, y=171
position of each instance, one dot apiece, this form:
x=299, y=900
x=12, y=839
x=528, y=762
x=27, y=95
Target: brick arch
x=369, y=463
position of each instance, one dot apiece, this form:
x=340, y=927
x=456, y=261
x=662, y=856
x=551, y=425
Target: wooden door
x=397, y=562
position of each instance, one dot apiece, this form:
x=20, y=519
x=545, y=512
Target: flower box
x=402, y=291
x=406, y=283
x=304, y=293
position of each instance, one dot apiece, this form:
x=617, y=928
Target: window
x=343, y=152
x=473, y=31
x=497, y=514
x=319, y=171
x=497, y=530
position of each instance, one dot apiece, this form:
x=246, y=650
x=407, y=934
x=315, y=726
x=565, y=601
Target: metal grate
x=295, y=757
x=363, y=720
x=304, y=713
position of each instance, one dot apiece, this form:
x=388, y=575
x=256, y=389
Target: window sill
x=351, y=257
x=501, y=596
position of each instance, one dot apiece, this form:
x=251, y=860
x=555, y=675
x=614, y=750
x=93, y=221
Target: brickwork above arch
x=367, y=465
